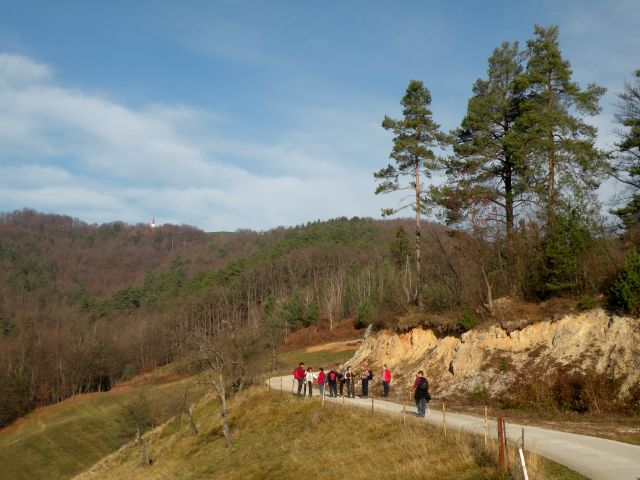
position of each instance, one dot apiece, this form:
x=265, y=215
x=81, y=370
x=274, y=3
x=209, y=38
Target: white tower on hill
x=153, y=223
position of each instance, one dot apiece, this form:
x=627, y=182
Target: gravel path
x=596, y=458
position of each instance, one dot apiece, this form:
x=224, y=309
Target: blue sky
x=234, y=114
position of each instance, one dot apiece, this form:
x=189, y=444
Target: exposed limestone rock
x=492, y=359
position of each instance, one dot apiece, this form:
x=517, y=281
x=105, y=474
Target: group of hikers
x=344, y=378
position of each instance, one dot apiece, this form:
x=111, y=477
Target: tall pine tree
x=487, y=173
x=626, y=162
x=556, y=139
x=416, y=135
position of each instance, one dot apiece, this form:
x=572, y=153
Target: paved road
x=596, y=458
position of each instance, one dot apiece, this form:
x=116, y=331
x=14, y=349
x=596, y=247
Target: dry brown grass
x=279, y=437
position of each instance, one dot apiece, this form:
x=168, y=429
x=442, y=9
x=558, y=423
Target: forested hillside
x=84, y=305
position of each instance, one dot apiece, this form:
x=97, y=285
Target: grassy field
x=277, y=436
x=61, y=440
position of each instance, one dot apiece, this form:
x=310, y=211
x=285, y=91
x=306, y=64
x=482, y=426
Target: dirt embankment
x=491, y=359
x=320, y=333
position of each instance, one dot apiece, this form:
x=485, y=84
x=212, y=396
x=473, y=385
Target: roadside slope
x=596, y=458
x=278, y=436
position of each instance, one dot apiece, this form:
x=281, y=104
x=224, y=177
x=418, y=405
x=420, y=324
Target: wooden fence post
x=281, y=389
x=486, y=426
x=504, y=436
x=501, y=453
x=444, y=420
x=404, y=414
x=371, y=405
x=522, y=440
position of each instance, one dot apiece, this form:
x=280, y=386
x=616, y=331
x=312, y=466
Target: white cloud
x=17, y=69
x=69, y=151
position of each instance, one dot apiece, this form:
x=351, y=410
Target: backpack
x=424, y=385
x=370, y=377
x=332, y=376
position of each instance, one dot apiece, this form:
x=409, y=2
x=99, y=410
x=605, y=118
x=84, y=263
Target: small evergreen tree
x=364, y=313
x=566, y=242
x=625, y=292
x=400, y=247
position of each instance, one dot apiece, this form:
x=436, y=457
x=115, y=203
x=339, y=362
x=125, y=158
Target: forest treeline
x=83, y=306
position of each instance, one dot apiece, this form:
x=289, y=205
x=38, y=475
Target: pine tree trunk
x=509, y=217
x=418, y=240
x=552, y=150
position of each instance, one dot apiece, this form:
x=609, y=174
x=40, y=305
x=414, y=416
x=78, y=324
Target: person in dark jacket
x=350, y=378
x=365, y=376
x=421, y=393
x=332, y=378
x=341, y=371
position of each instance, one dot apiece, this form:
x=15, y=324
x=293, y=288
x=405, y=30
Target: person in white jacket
x=309, y=378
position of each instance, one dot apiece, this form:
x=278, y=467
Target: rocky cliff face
x=491, y=359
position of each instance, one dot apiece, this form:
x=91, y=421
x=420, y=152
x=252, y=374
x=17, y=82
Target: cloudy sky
x=252, y=114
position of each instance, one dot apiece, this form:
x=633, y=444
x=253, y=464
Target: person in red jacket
x=299, y=374
x=385, y=376
x=321, y=377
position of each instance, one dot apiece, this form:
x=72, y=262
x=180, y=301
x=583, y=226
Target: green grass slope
x=277, y=436
x=61, y=440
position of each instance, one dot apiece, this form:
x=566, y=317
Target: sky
x=253, y=114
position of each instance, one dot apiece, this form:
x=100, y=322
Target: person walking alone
x=421, y=393
x=309, y=379
x=385, y=376
x=299, y=374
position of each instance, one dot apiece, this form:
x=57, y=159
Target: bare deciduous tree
x=225, y=358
